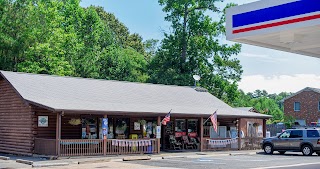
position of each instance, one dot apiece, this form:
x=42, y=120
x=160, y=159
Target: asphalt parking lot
x=257, y=161
x=212, y=160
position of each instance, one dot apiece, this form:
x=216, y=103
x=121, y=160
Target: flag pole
x=209, y=117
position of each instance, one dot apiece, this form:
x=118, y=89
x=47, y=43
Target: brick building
x=304, y=106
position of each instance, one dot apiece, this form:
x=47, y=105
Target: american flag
x=213, y=119
x=166, y=119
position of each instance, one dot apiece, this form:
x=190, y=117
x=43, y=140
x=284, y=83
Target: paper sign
x=158, y=132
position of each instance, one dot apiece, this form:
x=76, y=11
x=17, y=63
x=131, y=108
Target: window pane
x=180, y=125
x=192, y=127
x=296, y=134
x=297, y=106
x=312, y=133
x=285, y=134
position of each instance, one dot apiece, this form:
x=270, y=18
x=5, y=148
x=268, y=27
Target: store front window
x=193, y=127
x=151, y=127
x=122, y=128
x=110, y=128
x=180, y=129
x=89, y=128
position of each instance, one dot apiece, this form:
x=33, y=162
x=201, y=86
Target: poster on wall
x=158, y=133
x=43, y=121
x=136, y=126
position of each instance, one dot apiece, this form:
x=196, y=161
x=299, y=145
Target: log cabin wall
x=46, y=132
x=70, y=131
x=16, y=122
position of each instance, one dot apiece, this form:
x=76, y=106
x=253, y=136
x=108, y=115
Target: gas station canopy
x=286, y=25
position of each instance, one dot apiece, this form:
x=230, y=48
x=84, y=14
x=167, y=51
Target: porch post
x=201, y=134
x=239, y=134
x=105, y=140
x=264, y=128
x=58, y=133
x=158, y=139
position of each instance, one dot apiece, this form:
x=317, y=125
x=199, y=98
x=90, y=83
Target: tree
x=123, y=64
x=62, y=38
x=193, y=47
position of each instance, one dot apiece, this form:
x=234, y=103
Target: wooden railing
x=81, y=147
x=248, y=143
x=91, y=147
x=207, y=146
x=131, y=146
x=45, y=146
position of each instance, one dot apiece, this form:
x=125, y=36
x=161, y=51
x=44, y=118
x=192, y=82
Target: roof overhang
x=286, y=25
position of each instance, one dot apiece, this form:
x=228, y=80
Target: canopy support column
x=201, y=134
x=239, y=134
x=58, y=133
x=264, y=128
x=158, y=139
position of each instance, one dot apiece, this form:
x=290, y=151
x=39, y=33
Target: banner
x=131, y=143
x=222, y=142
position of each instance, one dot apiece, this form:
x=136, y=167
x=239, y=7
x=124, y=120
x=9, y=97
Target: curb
x=169, y=157
x=135, y=158
x=50, y=165
x=24, y=161
x=94, y=161
x=235, y=154
x=201, y=153
x=4, y=158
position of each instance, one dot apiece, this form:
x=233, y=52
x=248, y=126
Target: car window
x=296, y=134
x=312, y=133
x=285, y=134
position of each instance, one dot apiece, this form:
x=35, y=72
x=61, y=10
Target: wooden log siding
x=69, y=131
x=16, y=122
x=46, y=132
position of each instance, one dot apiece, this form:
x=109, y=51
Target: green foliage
x=265, y=103
x=123, y=64
x=289, y=121
x=62, y=38
x=193, y=47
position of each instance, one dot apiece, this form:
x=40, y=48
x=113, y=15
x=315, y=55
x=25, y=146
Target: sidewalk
x=63, y=161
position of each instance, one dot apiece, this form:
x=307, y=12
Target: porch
x=69, y=134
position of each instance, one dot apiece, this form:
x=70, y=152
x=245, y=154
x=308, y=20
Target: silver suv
x=304, y=140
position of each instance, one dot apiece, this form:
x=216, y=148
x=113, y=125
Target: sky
x=264, y=69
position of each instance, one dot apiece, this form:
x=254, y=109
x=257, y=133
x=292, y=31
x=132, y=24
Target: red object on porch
x=179, y=134
x=193, y=134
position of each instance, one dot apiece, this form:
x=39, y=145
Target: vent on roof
x=200, y=89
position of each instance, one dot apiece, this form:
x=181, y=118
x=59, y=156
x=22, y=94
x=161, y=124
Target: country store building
x=64, y=116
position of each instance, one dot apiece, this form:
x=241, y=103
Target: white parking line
x=191, y=161
x=285, y=166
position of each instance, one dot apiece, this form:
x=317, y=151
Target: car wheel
x=268, y=149
x=282, y=152
x=307, y=150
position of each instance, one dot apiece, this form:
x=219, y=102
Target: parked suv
x=304, y=140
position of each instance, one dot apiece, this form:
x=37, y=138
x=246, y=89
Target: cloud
x=281, y=83
x=264, y=58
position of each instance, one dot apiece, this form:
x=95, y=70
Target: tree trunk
x=184, y=38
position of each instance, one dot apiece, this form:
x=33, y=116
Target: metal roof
x=286, y=25
x=81, y=94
